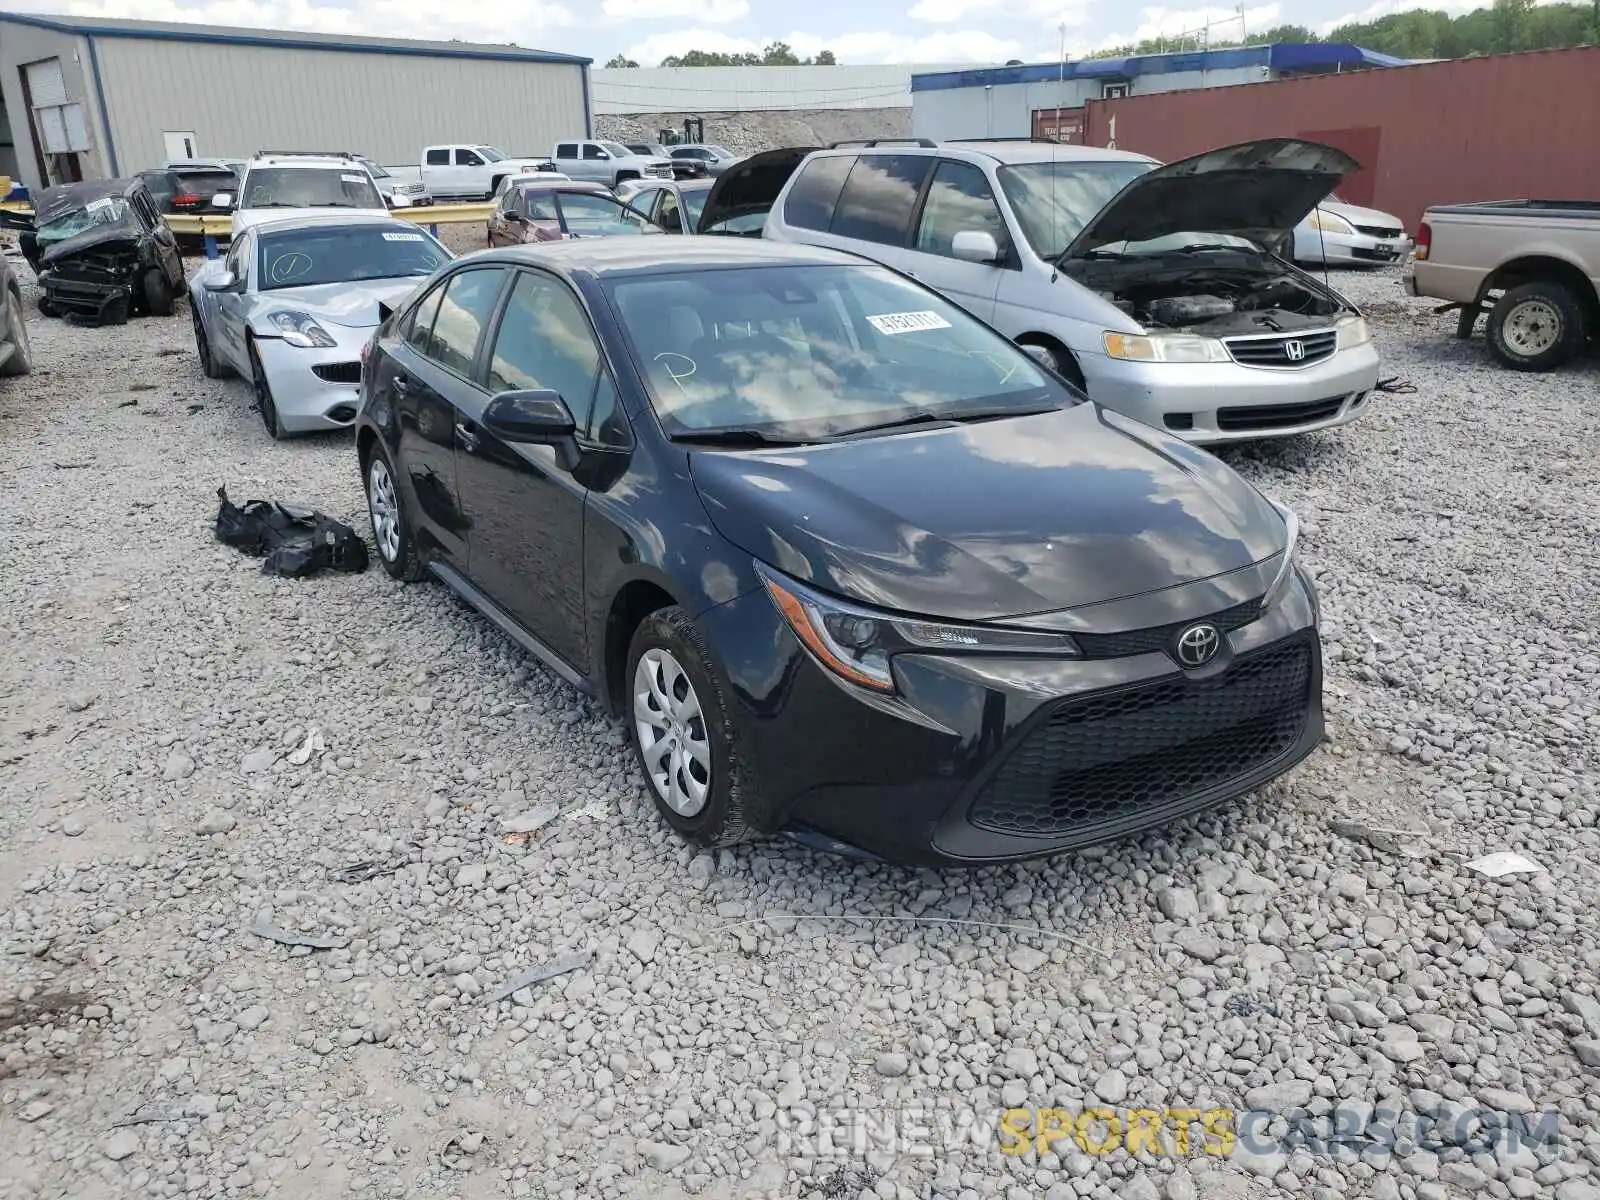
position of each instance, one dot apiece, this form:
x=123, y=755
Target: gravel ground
x=1319, y=944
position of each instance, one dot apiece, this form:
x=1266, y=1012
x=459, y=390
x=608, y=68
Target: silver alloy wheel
x=1531, y=328
x=19, y=329
x=671, y=728
x=384, y=507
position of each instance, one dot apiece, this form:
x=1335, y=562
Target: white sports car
x=294, y=302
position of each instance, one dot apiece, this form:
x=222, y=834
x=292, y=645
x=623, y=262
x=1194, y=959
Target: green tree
x=825, y=57
x=621, y=61
x=779, y=54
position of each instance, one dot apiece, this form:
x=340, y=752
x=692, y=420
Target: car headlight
x=1353, y=331
x=1164, y=347
x=301, y=329
x=856, y=643
x=1286, y=569
x=1329, y=222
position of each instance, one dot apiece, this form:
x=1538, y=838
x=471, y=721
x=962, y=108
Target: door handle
x=469, y=439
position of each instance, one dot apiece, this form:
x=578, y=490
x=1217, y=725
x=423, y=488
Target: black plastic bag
x=295, y=542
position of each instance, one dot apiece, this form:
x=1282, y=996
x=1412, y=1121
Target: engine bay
x=1243, y=295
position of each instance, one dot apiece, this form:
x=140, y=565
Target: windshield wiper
x=330, y=204
x=733, y=435
x=929, y=417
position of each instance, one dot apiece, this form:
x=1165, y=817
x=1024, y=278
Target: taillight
x=1424, y=241
x=185, y=200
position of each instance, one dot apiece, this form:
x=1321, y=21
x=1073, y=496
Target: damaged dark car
x=102, y=252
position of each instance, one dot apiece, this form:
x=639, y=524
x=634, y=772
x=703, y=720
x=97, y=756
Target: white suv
x=1153, y=287
x=279, y=185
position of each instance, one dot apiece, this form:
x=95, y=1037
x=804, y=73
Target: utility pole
x=1244, y=33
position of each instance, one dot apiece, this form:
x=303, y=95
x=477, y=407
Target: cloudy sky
x=857, y=31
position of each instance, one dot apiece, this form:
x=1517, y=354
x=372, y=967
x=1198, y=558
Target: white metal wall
x=22, y=44
x=749, y=89
x=1006, y=110
x=240, y=99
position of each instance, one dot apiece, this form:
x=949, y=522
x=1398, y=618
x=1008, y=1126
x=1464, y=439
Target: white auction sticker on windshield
x=353, y=178
x=910, y=322
x=102, y=203
x=402, y=237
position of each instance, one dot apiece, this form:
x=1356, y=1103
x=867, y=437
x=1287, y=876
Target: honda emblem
x=1294, y=349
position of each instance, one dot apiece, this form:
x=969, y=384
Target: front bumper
x=1352, y=249
x=85, y=298
x=306, y=400
x=992, y=759
x=1211, y=403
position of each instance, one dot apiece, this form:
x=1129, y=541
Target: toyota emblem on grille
x=1294, y=349
x=1198, y=644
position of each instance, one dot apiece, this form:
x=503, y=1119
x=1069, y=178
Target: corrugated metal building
x=96, y=97
x=1500, y=127
x=622, y=90
x=1047, y=99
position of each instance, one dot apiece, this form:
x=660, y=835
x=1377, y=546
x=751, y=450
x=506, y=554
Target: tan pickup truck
x=1532, y=265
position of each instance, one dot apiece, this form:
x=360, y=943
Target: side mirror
x=222, y=281
x=515, y=218
x=537, y=417
x=971, y=245
x=606, y=154
x=222, y=200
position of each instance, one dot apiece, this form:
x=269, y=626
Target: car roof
x=1020, y=151
x=357, y=216
x=301, y=161
x=618, y=256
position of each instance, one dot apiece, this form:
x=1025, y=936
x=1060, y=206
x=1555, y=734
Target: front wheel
x=1536, y=327
x=1054, y=357
x=21, y=360
x=264, y=402
x=209, y=365
x=391, y=526
x=682, y=735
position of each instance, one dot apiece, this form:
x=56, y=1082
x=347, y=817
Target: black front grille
x=1161, y=637
x=1277, y=416
x=1281, y=351
x=1148, y=749
x=345, y=372
x=1380, y=231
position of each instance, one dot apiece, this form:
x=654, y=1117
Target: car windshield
x=377, y=171
x=693, y=201
x=803, y=353
x=615, y=148
x=720, y=152
x=105, y=212
x=589, y=214
x=489, y=154
x=310, y=187
x=1055, y=200
x=341, y=253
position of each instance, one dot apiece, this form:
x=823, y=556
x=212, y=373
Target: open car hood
x=751, y=184
x=1257, y=190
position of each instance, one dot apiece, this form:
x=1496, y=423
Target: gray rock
x=1197, y=943
x=258, y=760
x=472, y=875
x=72, y=825
x=643, y=943
x=216, y=821
x=1279, y=1097
x=1178, y=903
x=178, y=766
x=1026, y=959
x=1588, y=1050
x=664, y=1156
x=1112, y=1086
x=123, y=1143
x=892, y=1065
x=253, y=1017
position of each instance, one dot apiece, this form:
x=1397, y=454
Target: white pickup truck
x=470, y=172
x=610, y=163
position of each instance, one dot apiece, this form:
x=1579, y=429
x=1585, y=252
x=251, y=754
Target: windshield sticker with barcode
x=103, y=202
x=402, y=237
x=353, y=178
x=909, y=322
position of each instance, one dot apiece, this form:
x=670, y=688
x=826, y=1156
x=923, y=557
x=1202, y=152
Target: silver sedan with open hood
x=292, y=306
x=1164, y=291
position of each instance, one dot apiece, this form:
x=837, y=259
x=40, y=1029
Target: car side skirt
x=508, y=625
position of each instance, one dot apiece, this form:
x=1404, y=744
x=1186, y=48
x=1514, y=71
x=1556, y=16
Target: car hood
x=1257, y=190
x=1028, y=514
x=1357, y=215
x=750, y=184
x=106, y=239
x=353, y=305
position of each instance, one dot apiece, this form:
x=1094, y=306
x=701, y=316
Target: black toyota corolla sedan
x=849, y=563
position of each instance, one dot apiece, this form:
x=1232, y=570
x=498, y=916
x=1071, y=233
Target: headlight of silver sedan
x=301, y=329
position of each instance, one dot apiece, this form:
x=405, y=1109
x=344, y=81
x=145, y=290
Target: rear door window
x=815, y=192
x=438, y=158
x=469, y=299
x=567, y=150
x=879, y=198
x=419, y=324
x=959, y=199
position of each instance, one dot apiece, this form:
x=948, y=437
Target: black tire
x=117, y=312
x=624, y=176
x=202, y=347
x=1057, y=357
x=397, y=552
x=46, y=309
x=21, y=360
x=156, y=294
x=723, y=818
x=263, y=391
x=1536, y=327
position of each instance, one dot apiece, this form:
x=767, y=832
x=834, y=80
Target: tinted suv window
x=880, y=196
x=815, y=192
x=468, y=300
x=438, y=158
x=959, y=199
x=567, y=150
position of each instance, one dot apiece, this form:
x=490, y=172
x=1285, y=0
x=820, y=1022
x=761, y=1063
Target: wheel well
x=1057, y=347
x=622, y=175
x=364, y=440
x=1545, y=270
x=632, y=605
